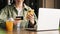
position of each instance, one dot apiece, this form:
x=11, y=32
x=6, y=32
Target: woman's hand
x=30, y=16
x=16, y=21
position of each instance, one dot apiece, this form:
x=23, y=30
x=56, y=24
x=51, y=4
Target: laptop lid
x=48, y=19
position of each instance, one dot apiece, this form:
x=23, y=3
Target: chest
x=14, y=13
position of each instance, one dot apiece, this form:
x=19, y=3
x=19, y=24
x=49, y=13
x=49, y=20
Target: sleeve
x=3, y=17
x=30, y=25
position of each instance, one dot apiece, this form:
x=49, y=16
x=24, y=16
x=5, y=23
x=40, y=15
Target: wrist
x=32, y=21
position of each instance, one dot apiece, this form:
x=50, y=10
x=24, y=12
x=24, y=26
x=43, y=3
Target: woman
x=18, y=9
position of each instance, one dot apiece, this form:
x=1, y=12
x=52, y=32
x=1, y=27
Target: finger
x=30, y=17
x=15, y=23
x=31, y=14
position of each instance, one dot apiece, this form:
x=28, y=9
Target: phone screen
x=19, y=17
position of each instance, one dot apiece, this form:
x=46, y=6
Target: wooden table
x=23, y=31
x=17, y=31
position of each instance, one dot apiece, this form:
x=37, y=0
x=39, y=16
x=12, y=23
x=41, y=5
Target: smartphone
x=19, y=17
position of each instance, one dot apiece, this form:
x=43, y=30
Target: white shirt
x=19, y=14
x=19, y=11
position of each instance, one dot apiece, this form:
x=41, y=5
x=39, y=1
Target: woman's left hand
x=30, y=17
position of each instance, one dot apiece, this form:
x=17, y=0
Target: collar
x=24, y=6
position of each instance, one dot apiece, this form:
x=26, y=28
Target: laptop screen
x=48, y=19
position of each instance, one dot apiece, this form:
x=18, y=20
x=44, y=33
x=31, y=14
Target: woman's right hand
x=16, y=22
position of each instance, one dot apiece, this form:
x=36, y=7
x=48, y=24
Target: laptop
x=48, y=19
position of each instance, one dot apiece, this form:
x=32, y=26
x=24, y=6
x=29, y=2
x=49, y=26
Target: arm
x=32, y=21
x=3, y=17
x=29, y=22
